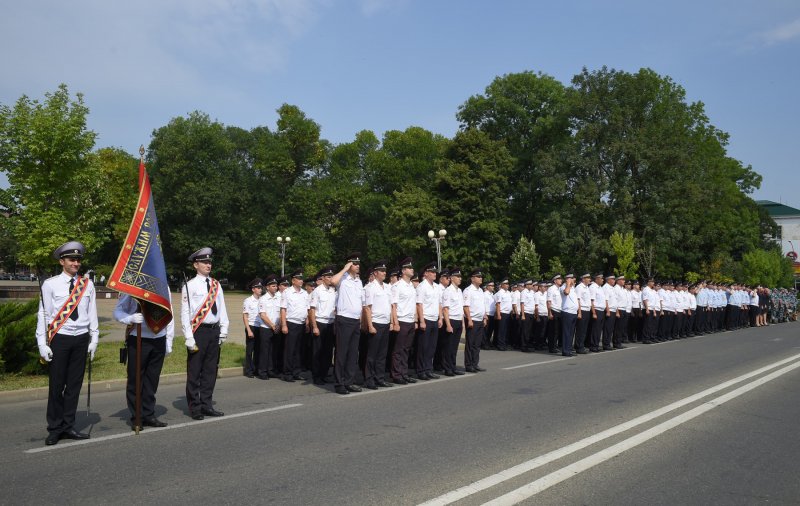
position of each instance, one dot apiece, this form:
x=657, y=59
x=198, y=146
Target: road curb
x=114, y=385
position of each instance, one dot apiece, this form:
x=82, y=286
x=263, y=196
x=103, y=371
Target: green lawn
x=106, y=364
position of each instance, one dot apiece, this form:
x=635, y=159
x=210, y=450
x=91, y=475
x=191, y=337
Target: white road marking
x=545, y=482
x=153, y=430
x=512, y=472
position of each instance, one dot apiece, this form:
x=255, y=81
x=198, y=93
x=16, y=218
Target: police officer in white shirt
x=502, y=316
x=476, y=310
x=541, y=323
x=404, y=317
x=651, y=303
x=609, y=341
x=269, y=312
x=599, y=313
x=429, y=312
x=622, y=295
x=378, y=315
x=452, y=318
x=65, y=334
x=294, y=314
x=490, y=329
x=252, y=327
x=321, y=316
x=554, y=313
x=349, y=307
x=585, y=315
x=570, y=313
x=205, y=326
x=527, y=312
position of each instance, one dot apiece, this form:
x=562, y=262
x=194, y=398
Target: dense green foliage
x=18, y=352
x=615, y=171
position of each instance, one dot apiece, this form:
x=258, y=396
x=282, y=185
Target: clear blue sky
x=382, y=64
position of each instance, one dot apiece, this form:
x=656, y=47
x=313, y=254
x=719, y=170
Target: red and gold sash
x=66, y=310
x=205, y=307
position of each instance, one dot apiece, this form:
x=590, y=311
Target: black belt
x=209, y=325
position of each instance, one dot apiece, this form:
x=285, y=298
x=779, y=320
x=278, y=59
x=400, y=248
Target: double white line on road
x=569, y=471
x=154, y=430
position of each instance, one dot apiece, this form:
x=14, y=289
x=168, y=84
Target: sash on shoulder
x=206, y=306
x=66, y=310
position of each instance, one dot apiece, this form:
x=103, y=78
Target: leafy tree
x=623, y=246
x=55, y=194
x=524, y=260
x=765, y=267
x=554, y=266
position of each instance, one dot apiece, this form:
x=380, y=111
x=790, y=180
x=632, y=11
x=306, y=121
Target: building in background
x=788, y=220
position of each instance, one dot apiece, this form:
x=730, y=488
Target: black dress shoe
x=458, y=373
x=383, y=384
x=553, y=351
x=583, y=351
x=608, y=348
x=288, y=379
x=432, y=376
x=197, y=416
x=211, y=412
x=470, y=369
x=74, y=434
x=299, y=377
x=371, y=386
x=353, y=388
x=423, y=377
x=620, y=347
x=249, y=375
x=319, y=382
x=400, y=381
x=152, y=421
x=52, y=438
x=479, y=369
x=449, y=373
x=409, y=379
x=264, y=377
x=342, y=390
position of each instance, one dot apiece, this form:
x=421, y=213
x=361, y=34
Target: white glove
x=45, y=352
x=92, y=349
x=222, y=338
x=136, y=318
x=169, y=347
x=190, y=344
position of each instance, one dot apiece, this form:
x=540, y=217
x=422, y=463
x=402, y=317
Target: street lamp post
x=283, y=241
x=438, y=241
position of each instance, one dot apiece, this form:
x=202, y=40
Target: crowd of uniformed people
x=372, y=335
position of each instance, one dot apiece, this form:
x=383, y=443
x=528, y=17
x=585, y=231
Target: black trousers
x=450, y=347
x=554, y=331
x=251, y=346
x=502, y=331
x=402, y=346
x=472, y=350
x=266, y=362
x=291, y=349
x=609, y=338
x=568, y=325
x=377, y=347
x=598, y=324
x=66, y=378
x=582, y=329
x=322, y=351
x=539, y=329
x=426, y=346
x=488, y=332
x=650, y=325
x=348, y=332
x=526, y=331
x=621, y=327
x=201, y=369
x=153, y=352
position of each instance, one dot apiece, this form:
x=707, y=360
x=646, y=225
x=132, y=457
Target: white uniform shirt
x=554, y=296
x=650, y=296
x=489, y=301
x=271, y=306
x=453, y=300
x=583, y=294
x=569, y=301
x=516, y=298
x=611, y=297
x=379, y=297
x=55, y=292
x=624, y=295
x=540, y=299
x=349, y=296
x=323, y=300
x=503, y=297
x=428, y=296
x=250, y=308
x=692, y=301
x=754, y=298
x=295, y=302
x=191, y=302
x=475, y=300
x=635, y=299
x=404, y=296
x=528, y=300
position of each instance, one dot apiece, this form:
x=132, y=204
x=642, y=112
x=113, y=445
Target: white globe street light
x=283, y=241
x=437, y=240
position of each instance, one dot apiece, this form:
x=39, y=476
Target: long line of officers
x=374, y=333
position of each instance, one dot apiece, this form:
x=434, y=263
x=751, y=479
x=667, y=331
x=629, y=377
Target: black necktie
x=74, y=315
x=208, y=289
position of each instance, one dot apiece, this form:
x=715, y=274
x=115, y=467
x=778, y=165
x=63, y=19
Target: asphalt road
x=708, y=420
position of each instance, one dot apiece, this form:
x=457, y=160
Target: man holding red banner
x=205, y=327
x=66, y=331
